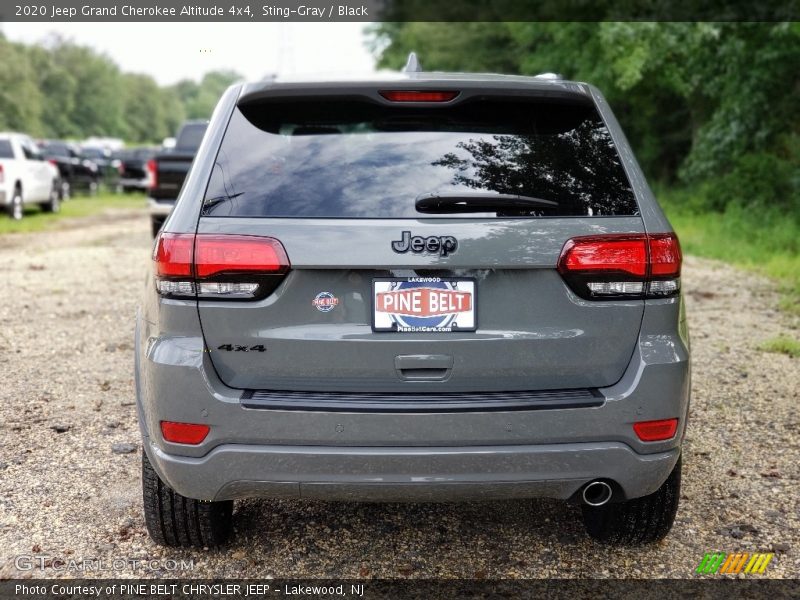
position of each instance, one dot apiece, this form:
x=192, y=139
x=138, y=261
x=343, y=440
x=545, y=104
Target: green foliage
x=761, y=238
x=79, y=206
x=61, y=89
x=782, y=345
x=199, y=99
x=20, y=97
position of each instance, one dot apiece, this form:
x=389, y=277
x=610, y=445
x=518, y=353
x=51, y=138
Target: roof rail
x=412, y=64
x=549, y=76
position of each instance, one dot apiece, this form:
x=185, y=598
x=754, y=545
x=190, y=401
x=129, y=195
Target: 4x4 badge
x=441, y=245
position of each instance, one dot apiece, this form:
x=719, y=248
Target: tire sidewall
x=54, y=204
x=16, y=209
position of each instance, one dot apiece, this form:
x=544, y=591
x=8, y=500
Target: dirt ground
x=70, y=491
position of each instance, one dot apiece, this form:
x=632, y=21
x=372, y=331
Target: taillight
x=53, y=162
x=152, y=173
x=184, y=433
x=236, y=267
x=418, y=95
x=656, y=431
x=622, y=265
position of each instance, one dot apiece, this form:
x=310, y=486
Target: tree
x=20, y=97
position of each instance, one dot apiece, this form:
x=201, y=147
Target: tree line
x=60, y=89
x=710, y=105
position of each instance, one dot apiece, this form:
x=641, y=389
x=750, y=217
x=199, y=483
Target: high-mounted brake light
x=184, y=433
x=239, y=267
x=622, y=265
x=656, y=431
x=418, y=95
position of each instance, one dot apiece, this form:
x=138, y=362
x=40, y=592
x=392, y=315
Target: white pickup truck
x=25, y=177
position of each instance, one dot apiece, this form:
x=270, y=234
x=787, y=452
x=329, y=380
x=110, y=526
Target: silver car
x=422, y=287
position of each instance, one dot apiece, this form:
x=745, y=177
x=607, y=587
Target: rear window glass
x=55, y=149
x=5, y=149
x=363, y=160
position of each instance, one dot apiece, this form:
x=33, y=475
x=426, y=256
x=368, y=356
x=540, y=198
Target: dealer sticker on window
x=420, y=304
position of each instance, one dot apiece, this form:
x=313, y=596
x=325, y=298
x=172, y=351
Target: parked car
x=421, y=287
x=169, y=170
x=75, y=171
x=26, y=177
x=107, y=165
x=136, y=168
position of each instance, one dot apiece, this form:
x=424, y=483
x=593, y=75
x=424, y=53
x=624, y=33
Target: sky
x=170, y=53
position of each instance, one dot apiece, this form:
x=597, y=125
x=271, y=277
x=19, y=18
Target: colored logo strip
x=720, y=562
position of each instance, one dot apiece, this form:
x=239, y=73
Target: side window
x=29, y=151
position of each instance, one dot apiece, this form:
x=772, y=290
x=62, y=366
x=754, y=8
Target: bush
x=757, y=181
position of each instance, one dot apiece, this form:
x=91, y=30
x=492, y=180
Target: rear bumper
x=235, y=471
x=130, y=182
x=160, y=208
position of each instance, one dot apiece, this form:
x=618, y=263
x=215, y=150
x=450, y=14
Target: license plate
x=423, y=304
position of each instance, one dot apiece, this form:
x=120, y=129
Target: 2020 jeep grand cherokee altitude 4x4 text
x=425, y=287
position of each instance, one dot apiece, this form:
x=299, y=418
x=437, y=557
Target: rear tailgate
x=171, y=171
x=336, y=184
x=532, y=332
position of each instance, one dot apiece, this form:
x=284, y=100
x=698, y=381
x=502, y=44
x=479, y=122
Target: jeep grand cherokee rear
x=430, y=287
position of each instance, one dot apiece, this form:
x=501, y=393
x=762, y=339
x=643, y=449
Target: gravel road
x=69, y=446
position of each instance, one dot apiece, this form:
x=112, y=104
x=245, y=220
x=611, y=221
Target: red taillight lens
x=184, y=433
x=152, y=173
x=610, y=254
x=173, y=255
x=53, y=162
x=656, y=431
x=230, y=267
x=216, y=254
x=665, y=255
x=622, y=265
x=418, y=95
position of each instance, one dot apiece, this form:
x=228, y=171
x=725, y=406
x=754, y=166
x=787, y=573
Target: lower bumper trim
x=421, y=403
x=411, y=473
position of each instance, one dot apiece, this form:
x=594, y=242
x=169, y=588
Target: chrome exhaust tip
x=597, y=493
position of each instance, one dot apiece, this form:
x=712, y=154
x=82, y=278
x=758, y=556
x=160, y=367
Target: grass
x=766, y=241
x=782, y=345
x=36, y=219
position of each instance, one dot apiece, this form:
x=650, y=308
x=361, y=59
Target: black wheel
x=156, y=224
x=53, y=205
x=174, y=520
x=639, y=521
x=15, y=207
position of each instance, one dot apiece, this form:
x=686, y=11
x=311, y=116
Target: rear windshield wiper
x=476, y=202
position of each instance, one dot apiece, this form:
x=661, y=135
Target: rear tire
x=638, y=521
x=178, y=521
x=53, y=205
x=16, y=209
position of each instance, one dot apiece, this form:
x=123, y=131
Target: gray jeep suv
x=421, y=287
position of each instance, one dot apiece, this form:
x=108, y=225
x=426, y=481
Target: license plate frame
x=440, y=290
